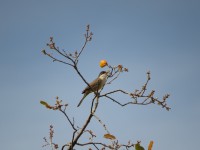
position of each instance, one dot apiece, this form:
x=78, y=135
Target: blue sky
x=158, y=35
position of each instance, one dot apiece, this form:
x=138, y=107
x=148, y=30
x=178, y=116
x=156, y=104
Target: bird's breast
x=103, y=81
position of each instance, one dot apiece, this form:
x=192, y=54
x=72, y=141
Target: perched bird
x=95, y=85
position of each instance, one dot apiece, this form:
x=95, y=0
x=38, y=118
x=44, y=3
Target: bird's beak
x=107, y=72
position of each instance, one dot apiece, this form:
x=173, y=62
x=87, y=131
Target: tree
x=137, y=97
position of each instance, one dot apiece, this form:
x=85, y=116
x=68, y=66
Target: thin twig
x=122, y=91
x=101, y=122
x=118, y=102
x=55, y=59
x=93, y=143
x=114, y=78
x=87, y=39
x=72, y=124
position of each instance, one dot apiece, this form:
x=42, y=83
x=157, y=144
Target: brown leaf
x=126, y=69
x=150, y=145
x=52, y=46
x=109, y=136
x=120, y=68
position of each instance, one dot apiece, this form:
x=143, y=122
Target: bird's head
x=103, y=74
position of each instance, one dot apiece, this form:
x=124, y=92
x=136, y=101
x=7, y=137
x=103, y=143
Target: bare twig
x=139, y=94
x=88, y=37
x=50, y=143
x=101, y=122
x=93, y=143
x=72, y=124
x=118, y=102
x=115, y=91
x=114, y=78
x=55, y=59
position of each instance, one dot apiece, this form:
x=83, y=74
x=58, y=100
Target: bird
x=95, y=85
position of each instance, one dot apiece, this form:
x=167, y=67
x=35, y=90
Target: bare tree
x=136, y=97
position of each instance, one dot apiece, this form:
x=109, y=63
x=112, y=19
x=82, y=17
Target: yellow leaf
x=45, y=104
x=150, y=145
x=109, y=136
x=138, y=147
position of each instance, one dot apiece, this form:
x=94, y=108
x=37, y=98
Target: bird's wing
x=94, y=84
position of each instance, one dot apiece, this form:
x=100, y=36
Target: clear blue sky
x=158, y=35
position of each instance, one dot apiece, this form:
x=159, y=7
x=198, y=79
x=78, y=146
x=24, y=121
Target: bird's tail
x=81, y=100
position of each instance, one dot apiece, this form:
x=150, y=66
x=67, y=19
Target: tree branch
x=72, y=124
x=138, y=97
x=88, y=37
x=84, y=126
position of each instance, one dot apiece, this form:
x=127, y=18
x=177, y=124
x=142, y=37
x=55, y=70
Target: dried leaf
x=150, y=145
x=151, y=94
x=109, y=136
x=52, y=46
x=120, y=68
x=126, y=69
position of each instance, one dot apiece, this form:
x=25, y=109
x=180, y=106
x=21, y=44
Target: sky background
x=162, y=36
